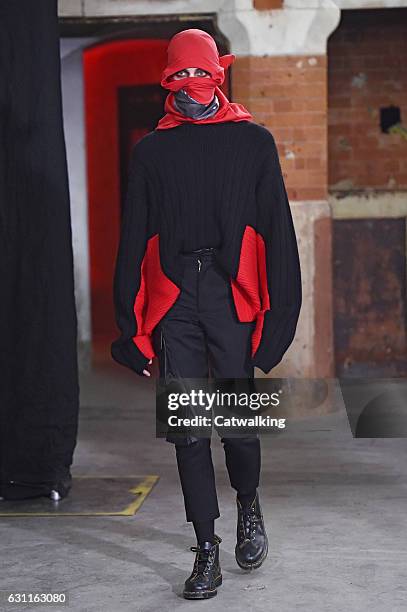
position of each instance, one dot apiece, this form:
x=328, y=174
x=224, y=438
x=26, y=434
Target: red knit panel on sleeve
x=250, y=288
x=245, y=287
x=263, y=290
x=156, y=295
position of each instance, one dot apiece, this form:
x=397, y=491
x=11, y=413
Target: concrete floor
x=335, y=508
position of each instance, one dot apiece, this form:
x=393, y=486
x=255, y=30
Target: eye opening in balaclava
x=171, y=77
x=199, y=103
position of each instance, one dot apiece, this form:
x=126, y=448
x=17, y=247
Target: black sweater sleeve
x=275, y=224
x=127, y=275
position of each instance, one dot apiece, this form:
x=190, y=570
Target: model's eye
x=201, y=73
x=182, y=73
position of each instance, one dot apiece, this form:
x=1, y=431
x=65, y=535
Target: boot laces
x=249, y=523
x=204, y=559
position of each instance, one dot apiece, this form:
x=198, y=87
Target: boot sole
x=204, y=594
x=256, y=564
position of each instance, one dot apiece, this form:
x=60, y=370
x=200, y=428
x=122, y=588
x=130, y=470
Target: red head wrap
x=195, y=48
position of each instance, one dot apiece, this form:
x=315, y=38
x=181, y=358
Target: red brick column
x=266, y=5
x=288, y=95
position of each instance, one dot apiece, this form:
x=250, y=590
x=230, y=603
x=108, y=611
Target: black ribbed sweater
x=198, y=185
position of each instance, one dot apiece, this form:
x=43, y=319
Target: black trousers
x=201, y=335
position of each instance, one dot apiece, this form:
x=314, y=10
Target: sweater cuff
x=278, y=333
x=127, y=354
x=266, y=363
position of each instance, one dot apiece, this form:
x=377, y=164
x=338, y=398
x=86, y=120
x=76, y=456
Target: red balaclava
x=196, y=48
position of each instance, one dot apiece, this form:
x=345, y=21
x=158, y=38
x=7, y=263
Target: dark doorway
x=139, y=109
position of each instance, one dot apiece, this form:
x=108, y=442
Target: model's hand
x=146, y=372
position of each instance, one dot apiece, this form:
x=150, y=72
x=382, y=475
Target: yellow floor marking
x=142, y=489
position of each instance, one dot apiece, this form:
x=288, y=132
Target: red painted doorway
x=113, y=72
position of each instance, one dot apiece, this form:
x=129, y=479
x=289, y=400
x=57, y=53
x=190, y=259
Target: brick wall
x=288, y=95
x=367, y=70
x=266, y=5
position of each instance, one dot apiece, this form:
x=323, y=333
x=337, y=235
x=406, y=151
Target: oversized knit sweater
x=207, y=185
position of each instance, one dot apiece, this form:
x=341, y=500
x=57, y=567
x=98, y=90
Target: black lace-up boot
x=206, y=574
x=252, y=544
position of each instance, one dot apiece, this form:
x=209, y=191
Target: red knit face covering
x=196, y=48
x=202, y=89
